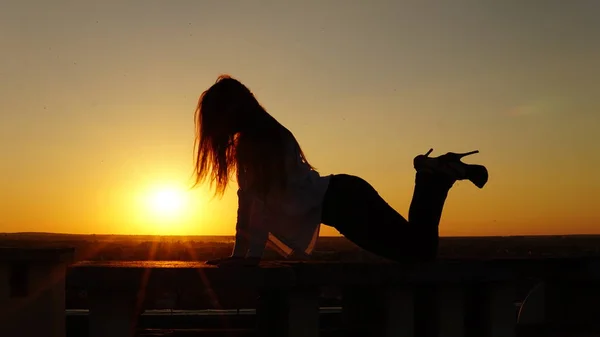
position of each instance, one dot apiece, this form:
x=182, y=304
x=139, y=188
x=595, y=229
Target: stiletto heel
x=462, y=155
x=450, y=164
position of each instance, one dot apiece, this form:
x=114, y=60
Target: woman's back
x=300, y=185
x=291, y=211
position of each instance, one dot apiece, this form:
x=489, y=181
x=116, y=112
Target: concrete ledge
x=387, y=274
x=159, y=275
x=175, y=274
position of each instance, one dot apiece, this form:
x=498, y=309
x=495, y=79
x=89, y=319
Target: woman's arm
x=250, y=237
x=242, y=241
x=257, y=231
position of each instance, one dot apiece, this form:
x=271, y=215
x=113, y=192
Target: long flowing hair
x=236, y=135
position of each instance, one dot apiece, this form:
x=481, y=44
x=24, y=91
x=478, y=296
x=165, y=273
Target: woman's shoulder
x=270, y=133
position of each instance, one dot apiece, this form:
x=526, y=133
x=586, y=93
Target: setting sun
x=164, y=208
x=167, y=202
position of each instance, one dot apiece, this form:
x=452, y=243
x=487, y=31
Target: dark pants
x=357, y=211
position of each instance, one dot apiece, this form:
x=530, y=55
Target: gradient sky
x=97, y=102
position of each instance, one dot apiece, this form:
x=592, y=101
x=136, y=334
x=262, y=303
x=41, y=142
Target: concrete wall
x=33, y=304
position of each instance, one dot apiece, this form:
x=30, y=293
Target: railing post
x=270, y=313
x=32, y=291
x=451, y=310
x=362, y=311
x=399, y=312
x=502, y=320
x=288, y=313
x=112, y=313
x=303, y=314
x=379, y=311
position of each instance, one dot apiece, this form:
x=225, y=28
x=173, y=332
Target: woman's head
x=234, y=133
x=224, y=110
x=226, y=107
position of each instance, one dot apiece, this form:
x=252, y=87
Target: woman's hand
x=234, y=261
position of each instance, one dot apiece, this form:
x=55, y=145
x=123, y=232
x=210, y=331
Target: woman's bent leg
x=355, y=209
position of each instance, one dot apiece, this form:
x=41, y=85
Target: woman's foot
x=450, y=165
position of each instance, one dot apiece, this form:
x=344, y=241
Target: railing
x=446, y=298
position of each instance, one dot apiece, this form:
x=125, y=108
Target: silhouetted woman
x=283, y=200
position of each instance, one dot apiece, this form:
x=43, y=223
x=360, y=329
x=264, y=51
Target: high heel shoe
x=449, y=164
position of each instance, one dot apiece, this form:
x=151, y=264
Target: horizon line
x=324, y=236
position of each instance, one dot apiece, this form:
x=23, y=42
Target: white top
x=289, y=220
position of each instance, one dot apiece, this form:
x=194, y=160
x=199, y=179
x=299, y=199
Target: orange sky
x=97, y=100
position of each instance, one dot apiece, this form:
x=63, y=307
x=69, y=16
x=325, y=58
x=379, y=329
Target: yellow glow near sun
x=165, y=209
x=171, y=207
x=167, y=202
